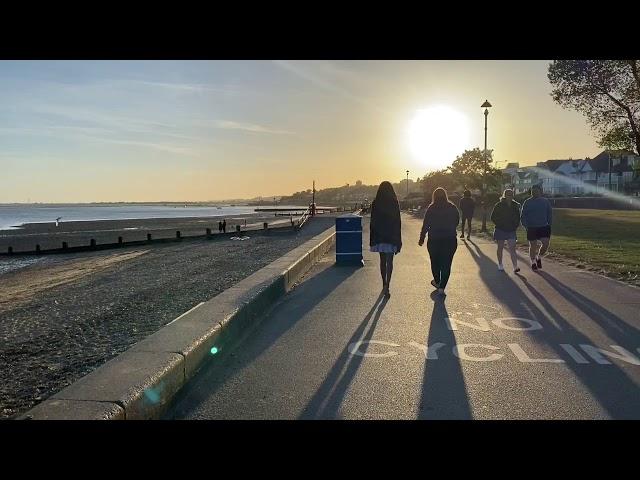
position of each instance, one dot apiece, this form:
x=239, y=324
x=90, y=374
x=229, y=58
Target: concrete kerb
x=141, y=382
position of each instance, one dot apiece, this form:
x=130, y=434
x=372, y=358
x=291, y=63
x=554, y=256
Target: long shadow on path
x=611, y=385
x=221, y=368
x=328, y=398
x=615, y=327
x=444, y=395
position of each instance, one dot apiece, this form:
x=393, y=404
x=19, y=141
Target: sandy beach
x=61, y=316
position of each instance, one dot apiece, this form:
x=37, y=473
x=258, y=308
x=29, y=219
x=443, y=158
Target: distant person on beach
x=220, y=227
x=536, y=218
x=224, y=226
x=385, y=236
x=506, y=217
x=467, y=206
x=440, y=222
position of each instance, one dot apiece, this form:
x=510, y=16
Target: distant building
x=520, y=179
x=581, y=176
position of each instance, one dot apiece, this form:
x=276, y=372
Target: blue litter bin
x=349, y=240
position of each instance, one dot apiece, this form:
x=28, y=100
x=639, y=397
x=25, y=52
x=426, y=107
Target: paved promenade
x=557, y=344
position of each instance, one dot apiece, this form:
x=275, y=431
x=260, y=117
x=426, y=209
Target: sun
x=437, y=135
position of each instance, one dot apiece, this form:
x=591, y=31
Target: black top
x=467, y=206
x=385, y=225
x=506, y=215
x=440, y=221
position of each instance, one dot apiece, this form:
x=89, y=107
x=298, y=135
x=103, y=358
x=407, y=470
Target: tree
x=440, y=178
x=473, y=168
x=607, y=92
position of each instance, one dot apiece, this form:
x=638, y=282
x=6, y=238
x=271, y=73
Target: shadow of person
x=437, y=297
x=612, y=387
x=223, y=366
x=326, y=402
x=444, y=394
x=616, y=328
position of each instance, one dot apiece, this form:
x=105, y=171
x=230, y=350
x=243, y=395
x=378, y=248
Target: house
x=520, y=179
x=549, y=177
x=612, y=170
x=581, y=176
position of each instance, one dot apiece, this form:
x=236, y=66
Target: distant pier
x=294, y=210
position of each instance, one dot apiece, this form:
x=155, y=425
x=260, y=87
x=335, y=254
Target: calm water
x=13, y=216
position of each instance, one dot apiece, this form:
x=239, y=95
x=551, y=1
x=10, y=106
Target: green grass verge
x=607, y=241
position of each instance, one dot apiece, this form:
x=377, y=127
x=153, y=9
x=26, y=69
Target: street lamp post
x=609, y=154
x=407, y=183
x=486, y=105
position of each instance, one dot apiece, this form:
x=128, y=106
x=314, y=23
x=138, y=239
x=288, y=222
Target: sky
x=101, y=131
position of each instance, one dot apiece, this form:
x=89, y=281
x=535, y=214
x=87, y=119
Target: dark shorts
x=500, y=235
x=536, y=233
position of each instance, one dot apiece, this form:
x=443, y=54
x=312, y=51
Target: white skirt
x=384, y=248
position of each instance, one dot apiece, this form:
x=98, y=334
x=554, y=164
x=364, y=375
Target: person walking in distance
x=506, y=217
x=467, y=206
x=385, y=236
x=224, y=226
x=536, y=217
x=220, y=227
x=440, y=223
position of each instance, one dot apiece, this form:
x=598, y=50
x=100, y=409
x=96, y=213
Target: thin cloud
x=250, y=127
x=191, y=87
x=88, y=133
x=114, y=124
x=98, y=87
x=325, y=83
x=177, y=149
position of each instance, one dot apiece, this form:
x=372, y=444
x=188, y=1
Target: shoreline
x=80, y=232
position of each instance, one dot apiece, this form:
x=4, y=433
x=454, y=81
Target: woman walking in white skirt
x=385, y=235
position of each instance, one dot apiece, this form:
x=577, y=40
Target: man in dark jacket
x=467, y=206
x=536, y=216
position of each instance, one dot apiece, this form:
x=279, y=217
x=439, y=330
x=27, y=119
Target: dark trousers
x=441, y=251
x=468, y=221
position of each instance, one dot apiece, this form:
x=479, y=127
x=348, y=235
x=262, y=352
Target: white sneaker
x=501, y=268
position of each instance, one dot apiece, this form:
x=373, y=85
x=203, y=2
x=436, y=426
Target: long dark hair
x=386, y=198
x=439, y=197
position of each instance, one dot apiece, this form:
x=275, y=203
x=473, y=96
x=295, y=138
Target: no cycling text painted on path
x=490, y=353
